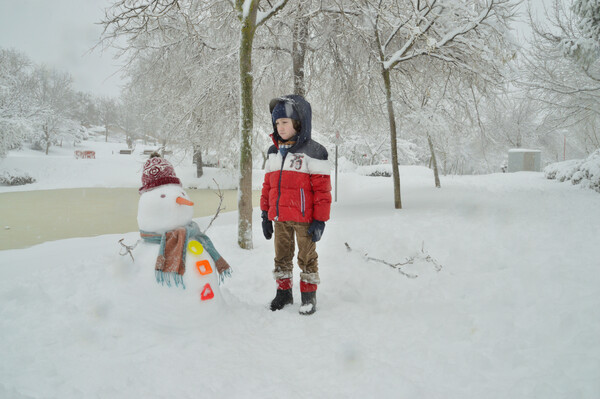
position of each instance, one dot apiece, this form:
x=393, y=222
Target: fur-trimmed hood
x=303, y=109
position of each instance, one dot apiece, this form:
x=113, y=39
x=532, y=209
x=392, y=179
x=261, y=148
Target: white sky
x=59, y=34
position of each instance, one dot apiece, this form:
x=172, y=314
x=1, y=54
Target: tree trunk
x=393, y=141
x=265, y=158
x=300, y=37
x=246, y=125
x=47, y=134
x=436, y=174
x=197, y=157
x=385, y=73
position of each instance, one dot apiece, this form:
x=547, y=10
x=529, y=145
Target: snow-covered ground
x=60, y=169
x=513, y=312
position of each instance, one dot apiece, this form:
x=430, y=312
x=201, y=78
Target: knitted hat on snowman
x=157, y=172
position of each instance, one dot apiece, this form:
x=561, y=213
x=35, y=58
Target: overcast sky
x=60, y=33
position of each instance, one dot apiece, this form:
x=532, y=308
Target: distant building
x=520, y=159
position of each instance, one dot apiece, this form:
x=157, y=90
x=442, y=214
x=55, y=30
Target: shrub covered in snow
x=562, y=171
x=584, y=172
x=15, y=178
x=384, y=170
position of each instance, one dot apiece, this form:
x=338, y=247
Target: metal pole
x=336, y=168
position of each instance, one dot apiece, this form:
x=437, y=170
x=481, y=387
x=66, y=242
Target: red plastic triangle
x=207, y=293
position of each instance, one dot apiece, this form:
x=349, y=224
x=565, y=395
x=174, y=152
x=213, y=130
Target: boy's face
x=285, y=128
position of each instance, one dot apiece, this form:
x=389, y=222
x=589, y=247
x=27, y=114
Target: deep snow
x=513, y=313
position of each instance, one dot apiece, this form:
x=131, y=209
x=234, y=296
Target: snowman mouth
x=183, y=201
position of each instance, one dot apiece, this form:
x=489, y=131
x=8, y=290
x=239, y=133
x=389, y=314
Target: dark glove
x=316, y=229
x=267, y=225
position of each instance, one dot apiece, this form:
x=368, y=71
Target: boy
x=296, y=194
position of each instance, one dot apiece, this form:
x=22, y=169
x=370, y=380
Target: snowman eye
x=162, y=196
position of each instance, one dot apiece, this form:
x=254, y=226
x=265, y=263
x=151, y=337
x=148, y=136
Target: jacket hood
x=303, y=109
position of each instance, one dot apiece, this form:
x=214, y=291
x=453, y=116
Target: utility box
x=520, y=159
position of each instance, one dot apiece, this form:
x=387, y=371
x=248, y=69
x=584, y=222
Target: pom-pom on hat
x=284, y=109
x=157, y=172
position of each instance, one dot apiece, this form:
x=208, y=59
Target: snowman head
x=164, y=208
x=163, y=205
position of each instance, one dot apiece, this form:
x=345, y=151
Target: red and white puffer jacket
x=297, y=187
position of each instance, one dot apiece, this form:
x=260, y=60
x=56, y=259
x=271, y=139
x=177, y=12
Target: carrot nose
x=183, y=201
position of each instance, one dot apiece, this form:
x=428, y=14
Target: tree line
x=39, y=107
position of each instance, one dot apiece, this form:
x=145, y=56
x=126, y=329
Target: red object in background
x=85, y=154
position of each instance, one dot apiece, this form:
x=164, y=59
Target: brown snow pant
x=284, y=252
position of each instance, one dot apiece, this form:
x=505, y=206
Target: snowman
x=183, y=257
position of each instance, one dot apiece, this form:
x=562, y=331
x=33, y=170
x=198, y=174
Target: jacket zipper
x=302, y=201
x=279, y=187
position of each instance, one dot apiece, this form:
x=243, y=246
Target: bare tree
x=174, y=21
x=562, y=70
x=52, y=95
x=464, y=35
x=15, y=99
x=250, y=19
x=108, y=114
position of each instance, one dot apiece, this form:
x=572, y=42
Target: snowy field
x=60, y=169
x=513, y=312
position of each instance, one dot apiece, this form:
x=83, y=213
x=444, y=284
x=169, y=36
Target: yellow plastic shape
x=203, y=267
x=195, y=247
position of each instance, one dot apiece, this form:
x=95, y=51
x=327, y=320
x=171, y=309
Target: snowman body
x=201, y=275
x=166, y=208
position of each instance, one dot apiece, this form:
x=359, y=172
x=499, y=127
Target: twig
x=127, y=248
x=409, y=261
x=219, y=208
x=428, y=258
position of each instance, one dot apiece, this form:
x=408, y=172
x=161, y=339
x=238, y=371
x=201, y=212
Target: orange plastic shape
x=195, y=247
x=203, y=267
x=207, y=293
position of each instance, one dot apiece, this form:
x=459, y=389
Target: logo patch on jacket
x=296, y=161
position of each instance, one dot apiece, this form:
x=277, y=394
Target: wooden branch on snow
x=219, y=208
x=409, y=261
x=127, y=249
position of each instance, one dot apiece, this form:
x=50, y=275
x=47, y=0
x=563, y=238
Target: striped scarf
x=170, y=263
x=284, y=146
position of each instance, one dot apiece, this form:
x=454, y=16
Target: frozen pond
x=32, y=217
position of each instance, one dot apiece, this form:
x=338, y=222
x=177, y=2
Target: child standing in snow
x=296, y=194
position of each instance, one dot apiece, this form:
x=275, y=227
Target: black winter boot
x=309, y=303
x=282, y=298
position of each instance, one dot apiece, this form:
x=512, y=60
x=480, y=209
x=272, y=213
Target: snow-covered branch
x=263, y=16
x=402, y=54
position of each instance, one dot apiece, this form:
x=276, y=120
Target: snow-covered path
x=512, y=313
